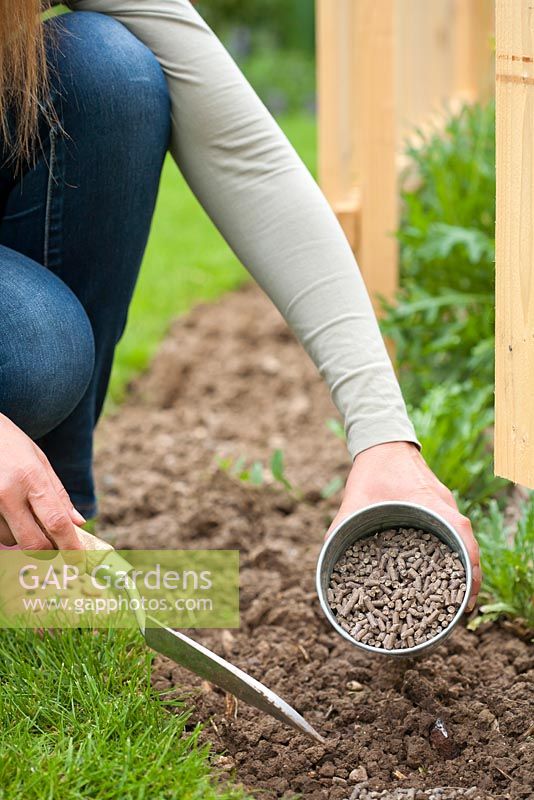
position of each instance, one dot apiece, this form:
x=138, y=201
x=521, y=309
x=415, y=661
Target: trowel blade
x=213, y=668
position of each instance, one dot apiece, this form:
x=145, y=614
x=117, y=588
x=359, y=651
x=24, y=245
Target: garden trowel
x=194, y=656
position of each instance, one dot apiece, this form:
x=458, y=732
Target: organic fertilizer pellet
x=397, y=588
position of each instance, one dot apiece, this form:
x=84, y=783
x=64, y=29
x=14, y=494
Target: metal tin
x=374, y=519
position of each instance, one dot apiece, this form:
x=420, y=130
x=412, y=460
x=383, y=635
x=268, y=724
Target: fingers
x=59, y=489
x=16, y=512
x=335, y=522
x=343, y=512
x=51, y=514
x=6, y=537
x=26, y=532
x=33, y=502
x=463, y=526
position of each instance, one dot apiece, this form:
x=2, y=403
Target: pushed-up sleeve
x=271, y=212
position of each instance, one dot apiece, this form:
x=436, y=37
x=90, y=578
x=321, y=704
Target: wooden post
x=332, y=140
x=337, y=133
x=376, y=43
x=514, y=346
x=473, y=63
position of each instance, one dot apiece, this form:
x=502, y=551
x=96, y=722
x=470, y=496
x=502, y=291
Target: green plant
x=444, y=337
x=507, y=557
x=442, y=321
x=284, y=79
x=337, y=428
x=80, y=720
x=242, y=470
x=255, y=471
x=448, y=220
x=453, y=423
x=278, y=470
x=289, y=23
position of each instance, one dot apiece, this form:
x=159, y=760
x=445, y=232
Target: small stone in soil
x=397, y=588
x=441, y=740
x=358, y=775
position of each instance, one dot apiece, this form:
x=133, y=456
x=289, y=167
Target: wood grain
x=514, y=348
x=384, y=69
x=378, y=250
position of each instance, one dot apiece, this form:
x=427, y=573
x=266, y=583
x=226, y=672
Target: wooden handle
x=91, y=542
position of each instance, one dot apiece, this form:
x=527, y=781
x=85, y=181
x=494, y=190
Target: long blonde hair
x=23, y=78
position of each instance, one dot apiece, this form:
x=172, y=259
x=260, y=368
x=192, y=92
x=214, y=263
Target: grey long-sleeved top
x=260, y=196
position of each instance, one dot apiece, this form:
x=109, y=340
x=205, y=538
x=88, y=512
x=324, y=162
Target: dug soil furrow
x=230, y=381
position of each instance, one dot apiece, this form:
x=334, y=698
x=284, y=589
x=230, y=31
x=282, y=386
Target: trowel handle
x=117, y=563
x=91, y=542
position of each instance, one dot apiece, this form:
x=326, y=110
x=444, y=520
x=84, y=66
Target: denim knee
x=46, y=346
x=112, y=79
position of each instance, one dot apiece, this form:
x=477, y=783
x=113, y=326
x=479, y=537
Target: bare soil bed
x=230, y=381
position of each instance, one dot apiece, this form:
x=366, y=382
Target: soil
x=231, y=381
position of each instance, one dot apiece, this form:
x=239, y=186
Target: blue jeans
x=73, y=229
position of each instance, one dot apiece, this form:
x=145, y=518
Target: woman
x=74, y=225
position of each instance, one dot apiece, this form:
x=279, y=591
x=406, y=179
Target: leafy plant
x=337, y=429
x=442, y=321
x=507, y=557
x=448, y=220
x=444, y=337
x=254, y=472
x=442, y=324
x=278, y=469
x=240, y=469
x=453, y=424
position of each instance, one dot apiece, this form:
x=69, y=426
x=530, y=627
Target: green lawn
x=186, y=261
x=81, y=722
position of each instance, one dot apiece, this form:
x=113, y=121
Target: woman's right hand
x=35, y=510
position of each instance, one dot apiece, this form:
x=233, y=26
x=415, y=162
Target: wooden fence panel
x=385, y=67
x=514, y=429
x=377, y=118
x=338, y=129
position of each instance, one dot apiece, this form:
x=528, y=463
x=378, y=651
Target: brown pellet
x=351, y=602
x=396, y=589
x=372, y=621
x=369, y=606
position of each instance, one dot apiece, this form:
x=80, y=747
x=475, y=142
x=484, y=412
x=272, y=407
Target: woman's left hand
x=398, y=471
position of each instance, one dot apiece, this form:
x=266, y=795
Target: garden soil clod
x=397, y=589
x=231, y=381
